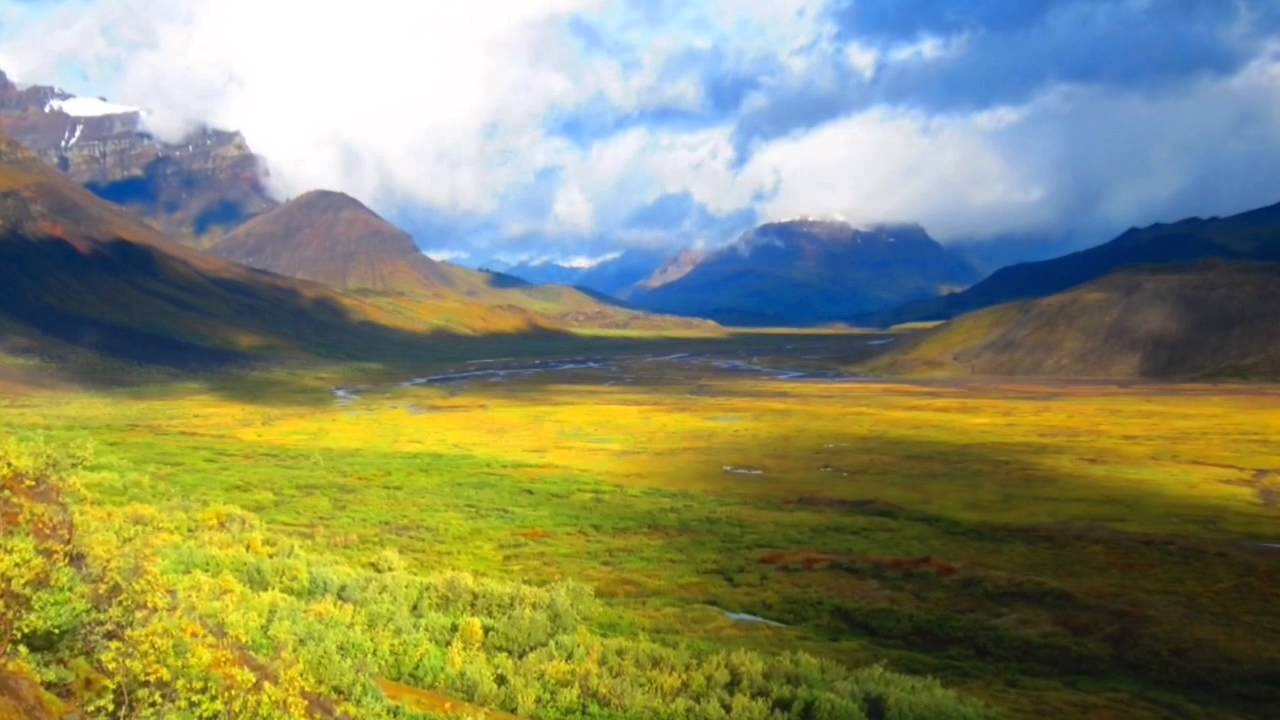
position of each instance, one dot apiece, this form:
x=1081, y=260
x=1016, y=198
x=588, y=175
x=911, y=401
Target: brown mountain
x=334, y=239
x=193, y=190
x=1207, y=320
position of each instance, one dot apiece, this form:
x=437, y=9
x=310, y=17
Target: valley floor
x=1054, y=550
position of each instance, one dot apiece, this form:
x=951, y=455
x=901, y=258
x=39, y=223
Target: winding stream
x=492, y=370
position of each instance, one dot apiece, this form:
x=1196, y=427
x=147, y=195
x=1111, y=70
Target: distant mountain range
x=332, y=238
x=193, y=190
x=615, y=276
x=806, y=272
x=797, y=272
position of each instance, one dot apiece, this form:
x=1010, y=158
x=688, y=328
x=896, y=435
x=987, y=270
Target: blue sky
x=571, y=128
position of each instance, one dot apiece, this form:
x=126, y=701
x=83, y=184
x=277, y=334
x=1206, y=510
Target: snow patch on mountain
x=446, y=254
x=83, y=107
x=585, y=262
x=72, y=135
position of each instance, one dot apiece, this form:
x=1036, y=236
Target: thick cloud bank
x=573, y=127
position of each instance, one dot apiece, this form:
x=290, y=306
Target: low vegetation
x=146, y=612
x=655, y=539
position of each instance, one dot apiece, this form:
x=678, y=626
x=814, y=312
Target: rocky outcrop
x=194, y=190
x=674, y=269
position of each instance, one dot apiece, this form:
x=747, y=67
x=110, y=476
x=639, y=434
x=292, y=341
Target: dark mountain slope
x=806, y=272
x=1205, y=320
x=1253, y=235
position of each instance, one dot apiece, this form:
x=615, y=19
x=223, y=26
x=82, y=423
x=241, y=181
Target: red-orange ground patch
x=824, y=561
x=434, y=703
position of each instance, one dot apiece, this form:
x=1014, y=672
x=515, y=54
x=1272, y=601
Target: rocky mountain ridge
x=193, y=190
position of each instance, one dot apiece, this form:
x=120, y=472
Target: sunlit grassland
x=1084, y=551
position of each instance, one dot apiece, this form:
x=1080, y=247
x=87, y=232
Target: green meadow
x=645, y=537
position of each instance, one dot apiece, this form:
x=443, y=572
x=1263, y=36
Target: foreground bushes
x=149, y=613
